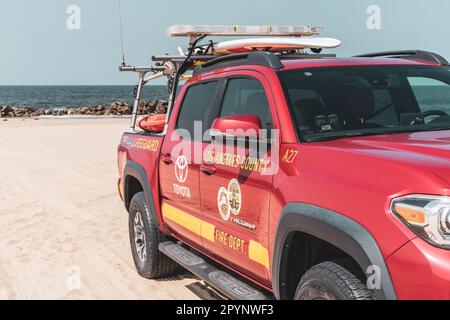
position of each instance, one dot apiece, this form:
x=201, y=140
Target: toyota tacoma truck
x=292, y=175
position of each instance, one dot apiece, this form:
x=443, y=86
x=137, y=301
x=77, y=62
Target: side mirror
x=153, y=123
x=240, y=126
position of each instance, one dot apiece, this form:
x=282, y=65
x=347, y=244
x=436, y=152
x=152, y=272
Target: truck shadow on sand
x=199, y=288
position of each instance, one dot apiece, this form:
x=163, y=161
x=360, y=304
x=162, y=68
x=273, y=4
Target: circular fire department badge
x=181, y=169
x=234, y=197
x=223, y=204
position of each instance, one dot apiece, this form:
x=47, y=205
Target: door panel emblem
x=229, y=200
x=235, y=197
x=181, y=169
x=223, y=203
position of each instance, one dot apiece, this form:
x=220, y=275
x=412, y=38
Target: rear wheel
x=145, y=238
x=336, y=280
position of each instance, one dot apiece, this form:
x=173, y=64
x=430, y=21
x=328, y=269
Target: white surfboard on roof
x=267, y=37
x=274, y=44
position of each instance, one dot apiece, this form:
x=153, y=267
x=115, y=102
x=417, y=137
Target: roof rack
x=260, y=58
x=409, y=55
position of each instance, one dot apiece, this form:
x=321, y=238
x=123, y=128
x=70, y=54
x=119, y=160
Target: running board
x=224, y=282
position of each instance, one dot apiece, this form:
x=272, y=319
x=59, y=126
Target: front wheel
x=332, y=281
x=145, y=238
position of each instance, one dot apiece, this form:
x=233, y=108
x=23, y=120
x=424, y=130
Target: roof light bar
x=238, y=30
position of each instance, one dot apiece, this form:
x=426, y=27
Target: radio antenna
x=121, y=33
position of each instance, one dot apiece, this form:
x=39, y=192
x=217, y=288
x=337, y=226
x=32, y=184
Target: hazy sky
x=37, y=48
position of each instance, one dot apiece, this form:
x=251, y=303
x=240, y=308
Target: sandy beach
x=63, y=230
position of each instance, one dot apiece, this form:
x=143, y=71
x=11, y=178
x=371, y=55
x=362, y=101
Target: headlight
x=427, y=216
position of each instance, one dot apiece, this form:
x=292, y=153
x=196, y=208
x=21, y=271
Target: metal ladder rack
x=200, y=58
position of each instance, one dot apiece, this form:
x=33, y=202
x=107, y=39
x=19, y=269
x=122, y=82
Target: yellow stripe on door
x=208, y=230
x=182, y=218
x=256, y=251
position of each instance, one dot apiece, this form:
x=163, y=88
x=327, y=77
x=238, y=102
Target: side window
x=430, y=93
x=197, y=107
x=246, y=96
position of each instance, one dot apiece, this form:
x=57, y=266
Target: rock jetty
x=115, y=109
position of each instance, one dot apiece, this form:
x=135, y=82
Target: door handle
x=167, y=158
x=209, y=170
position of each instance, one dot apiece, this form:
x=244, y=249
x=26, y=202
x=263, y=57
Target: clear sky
x=37, y=47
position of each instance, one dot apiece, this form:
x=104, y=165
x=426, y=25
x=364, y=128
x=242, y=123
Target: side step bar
x=227, y=284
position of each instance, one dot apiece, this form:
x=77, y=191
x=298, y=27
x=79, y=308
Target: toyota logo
x=181, y=169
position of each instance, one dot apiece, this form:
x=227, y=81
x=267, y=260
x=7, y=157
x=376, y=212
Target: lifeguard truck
x=282, y=172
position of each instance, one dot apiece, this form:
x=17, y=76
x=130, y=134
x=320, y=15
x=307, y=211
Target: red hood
x=425, y=150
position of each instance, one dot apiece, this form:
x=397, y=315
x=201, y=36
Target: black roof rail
x=409, y=55
x=260, y=58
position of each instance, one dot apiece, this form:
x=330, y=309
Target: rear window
x=197, y=108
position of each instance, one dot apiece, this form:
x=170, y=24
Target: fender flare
x=132, y=169
x=336, y=229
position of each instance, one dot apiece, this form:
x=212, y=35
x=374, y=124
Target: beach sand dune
x=63, y=229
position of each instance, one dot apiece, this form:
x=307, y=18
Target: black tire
x=336, y=280
x=150, y=262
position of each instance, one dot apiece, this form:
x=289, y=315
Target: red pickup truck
x=308, y=177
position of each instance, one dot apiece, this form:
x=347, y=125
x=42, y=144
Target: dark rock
x=116, y=108
x=37, y=113
x=7, y=112
x=161, y=107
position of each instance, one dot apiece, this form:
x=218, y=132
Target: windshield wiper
x=340, y=135
x=436, y=129
x=416, y=129
x=343, y=135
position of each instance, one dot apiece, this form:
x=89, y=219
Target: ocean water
x=75, y=96
x=430, y=97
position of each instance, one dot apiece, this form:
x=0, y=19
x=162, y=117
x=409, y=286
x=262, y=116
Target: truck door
x=181, y=156
x=236, y=184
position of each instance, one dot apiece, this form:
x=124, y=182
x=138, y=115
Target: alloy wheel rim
x=139, y=238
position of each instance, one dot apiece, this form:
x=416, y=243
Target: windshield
x=331, y=103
